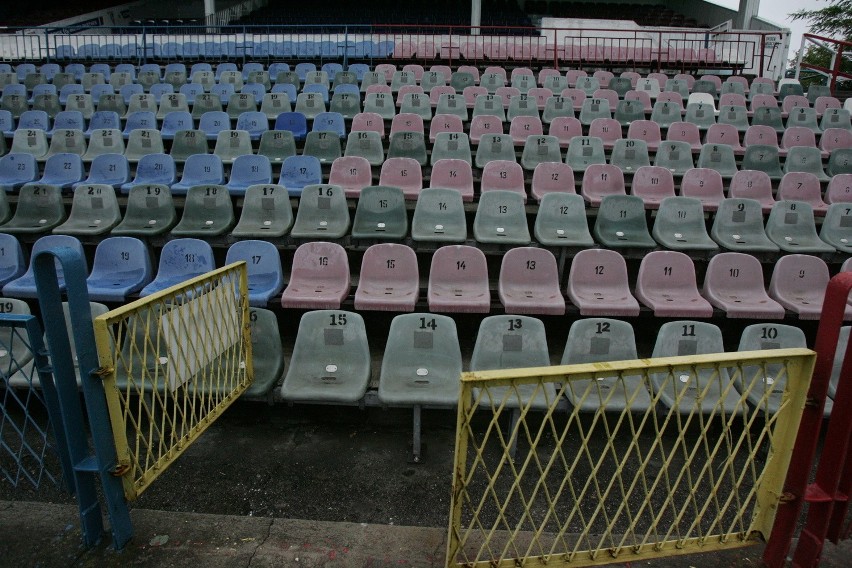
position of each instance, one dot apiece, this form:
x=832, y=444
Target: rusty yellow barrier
x=535, y=485
x=171, y=363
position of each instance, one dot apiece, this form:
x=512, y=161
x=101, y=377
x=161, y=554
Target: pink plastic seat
x=761, y=101
x=642, y=97
x=507, y=93
x=552, y=177
x=547, y=72
x=597, y=284
x=685, y=55
x=798, y=283
x=484, y=125
x=646, y=130
x=404, y=173
x=573, y=75
x=319, y=278
x=652, y=184
x=839, y=189
x=503, y=175
x=407, y=122
x=724, y=134
x=685, y=132
x=602, y=76
x=436, y=92
x=704, y=184
x=824, y=103
x=666, y=283
x=833, y=138
x=753, y=184
x=389, y=279
x=802, y=186
x=577, y=96
x=379, y=89
x=407, y=90
x=453, y=174
x=445, y=69
x=671, y=97
x=444, y=123
x=715, y=79
x=470, y=94
x=732, y=99
x=497, y=70
x=368, y=122
x=417, y=70
x=797, y=136
x=738, y=79
x=540, y=94
x=760, y=134
x=607, y=129
x=524, y=126
x=600, y=180
x=458, y=281
x=529, y=282
x=352, y=173
x=608, y=95
x=792, y=101
x=734, y=283
x=565, y=128
x=387, y=69
x=472, y=69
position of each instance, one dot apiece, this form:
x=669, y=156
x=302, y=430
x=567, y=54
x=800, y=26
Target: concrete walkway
x=46, y=535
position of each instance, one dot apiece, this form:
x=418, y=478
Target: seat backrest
x=503, y=175
x=652, y=184
x=597, y=340
x=529, y=268
x=187, y=257
x=797, y=276
x=262, y=261
x=300, y=171
x=600, y=180
x=734, y=273
x=684, y=337
x=663, y=272
x=320, y=262
x=391, y=263
x=801, y=186
x=508, y=342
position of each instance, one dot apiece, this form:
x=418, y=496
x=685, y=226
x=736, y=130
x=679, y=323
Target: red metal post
x=796, y=489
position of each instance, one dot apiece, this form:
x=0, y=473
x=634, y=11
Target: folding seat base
x=381, y=300
x=313, y=299
x=533, y=304
x=674, y=306
x=602, y=306
x=480, y=304
x=737, y=308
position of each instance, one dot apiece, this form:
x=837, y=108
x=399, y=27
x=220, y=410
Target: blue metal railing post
x=84, y=464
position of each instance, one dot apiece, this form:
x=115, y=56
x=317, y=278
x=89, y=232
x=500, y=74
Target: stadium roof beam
x=747, y=10
x=475, y=16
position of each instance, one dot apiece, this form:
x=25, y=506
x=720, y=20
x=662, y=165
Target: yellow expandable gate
x=172, y=362
x=699, y=467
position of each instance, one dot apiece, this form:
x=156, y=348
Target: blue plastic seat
x=174, y=122
x=263, y=264
x=12, y=263
x=160, y=90
x=122, y=266
x=253, y=122
x=24, y=287
x=330, y=122
x=214, y=122
x=127, y=91
x=287, y=88
x=139, y=120
x=34, y=120
x=108, y=169
x=248, y=170
x=17, y=170
x=103, y=119
x=300, y=171
x=7, y=124
x=70, y=90
x=200, y=169
x=295, y=122
x=63, y=170
x=180, y=260
x=190, y=91
x=153, y=169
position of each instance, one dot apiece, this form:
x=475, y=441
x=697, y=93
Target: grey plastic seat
x=39, y=210
x=764, y=386
x=839, y=162
x=452, y=146
x=510, y=342
x=738, y=226
x=805, y=159
x=701, y=114
x=422, y=362
x=12, y=264
x=188, y=143
x=584, y=151
x=452, y=105
x=267, y=352
x=277, y=145
x=367, y=145
x=331, y=359
x=600, y=340
x=719, y=157
x=592, y=109
x=501, y=219
x=389, y=279
x=16, y=354
x=490, y=105
x=667, y=284
x=381, y=104
x=94, y=211
x=141, y=142
x=150, y=211
x=322, y=213
x=380, y=214
x=33, y=142
x=679, y=225
x=324, y=146
x=555, y=107
x=529, y=282
x=682, y=389
x=836, y=228
x=734, y=283
x=736, y=116
x=495, y=147
x=439, y=216
x=266, y=213
x=540, y=149
x=66, y=141
x=665, y=113
x=104, y=141
x=630, y=154
x=180, y=260
x=408, y=145
x=792, y=227
x=207, y=211
x=629, y=111
x=675, y=156
x=561, y=221
x=805, y=117
x=621, y=223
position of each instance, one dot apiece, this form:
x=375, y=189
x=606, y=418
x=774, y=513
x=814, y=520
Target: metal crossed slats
x=590, y=488
x=28, y=449
x=173, y=362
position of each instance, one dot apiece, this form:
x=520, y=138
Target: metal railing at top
x=698, y=467
x=838, y=56
x=172, y=362
x=647, y=48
